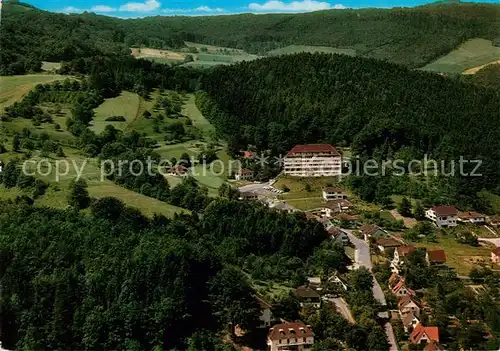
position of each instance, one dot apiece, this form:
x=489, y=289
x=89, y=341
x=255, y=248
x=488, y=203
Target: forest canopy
x=410, y=36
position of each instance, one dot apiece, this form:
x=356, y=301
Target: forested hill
x=410, y=36
x=380, y=109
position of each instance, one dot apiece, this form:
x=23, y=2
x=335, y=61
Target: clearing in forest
x=470, y=55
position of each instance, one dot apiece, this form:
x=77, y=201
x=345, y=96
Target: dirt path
x=137, y=114
x=409, y=222
x=474, y=70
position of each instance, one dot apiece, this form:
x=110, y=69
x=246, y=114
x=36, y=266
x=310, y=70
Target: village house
x=424, y=334
x=495, y=255
x=248, y=195
x=282, y=206
x=400, y=289
x=314, y=283
x=313, y=160
x=410, y=321
x=335, y=206
x=294, y=336
x=178, y=170
x=383, y=244
x=243, y=174
x=338, y=235
x=408, y=305
x=435, y=257
x=399, y=254
x=471, y=217
x=344, y=218
x=266, y=316
x=334, y=194
x=307, y=296
x=372, y=231
x=443, y=216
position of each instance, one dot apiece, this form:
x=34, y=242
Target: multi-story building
x=443, y=216
x=290, y=336
x=313, y=160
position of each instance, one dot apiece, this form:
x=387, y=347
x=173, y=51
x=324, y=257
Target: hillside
x=410, y=36
x=382, y=110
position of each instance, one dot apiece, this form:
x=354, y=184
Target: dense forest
x=381, y=110
x=412, y=37
x=113, y=279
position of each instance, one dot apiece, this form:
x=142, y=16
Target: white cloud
x=147, y=6
x=208, y=9
x=102, y=8
x=71, y=9
x=295, y=6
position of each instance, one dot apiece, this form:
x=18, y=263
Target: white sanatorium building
x=313, y=160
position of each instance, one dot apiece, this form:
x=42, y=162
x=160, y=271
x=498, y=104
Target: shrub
x=115, y=119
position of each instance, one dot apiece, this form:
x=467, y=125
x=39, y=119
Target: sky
x=141, y=8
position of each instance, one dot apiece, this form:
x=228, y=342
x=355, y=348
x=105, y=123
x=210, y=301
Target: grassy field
x=294, y=49
x=98, y=187
x=298, y=196
x=127, y=105
x=13, y=88
x=459, y=256
x=199, y=121
x=472, y=53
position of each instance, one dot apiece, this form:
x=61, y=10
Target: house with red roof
x=495, y=255
x=313, y=160
x=494, y=221
x=433, y=346
x=248, y=155
x=335, y=206
x=424, y=334
x=407, y=304
x=384, y=244
x=400, y=289
x=443, y=216
x=435, y=257
x=290, y=336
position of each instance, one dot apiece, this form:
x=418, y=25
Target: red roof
x=338, y=203
x=405, y=250
x=314, y=148
x=436, y=256
x=419, y=331
x=386, y=242
x=496, y=251
x=248, y=154
x=444, y=211
x=470, y=215
x=245, y=171
x=495, y=219
x=290, y=331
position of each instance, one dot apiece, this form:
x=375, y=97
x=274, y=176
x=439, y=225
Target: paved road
x=363, y=259
x=258, y=188
x=343, y=309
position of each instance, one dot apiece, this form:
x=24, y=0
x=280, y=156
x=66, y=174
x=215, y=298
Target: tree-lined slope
x=411, y=36
x=378, y=108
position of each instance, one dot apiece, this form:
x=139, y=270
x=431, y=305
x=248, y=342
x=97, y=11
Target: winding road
x=363, y=259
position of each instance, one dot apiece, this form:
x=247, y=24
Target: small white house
x=330, y=194
x=471, y=217
x=243, y=174
x=443, y=216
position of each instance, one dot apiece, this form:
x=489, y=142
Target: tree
x=361, y=279
x=146, y=114
x=188, y=58
x=404, y=207
x=232, y=299
x=79, y=197
x=286, y=307
x=377, y=339
x=2, y=149
x=16, y=143
x=419, y=211
x=308, y=188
